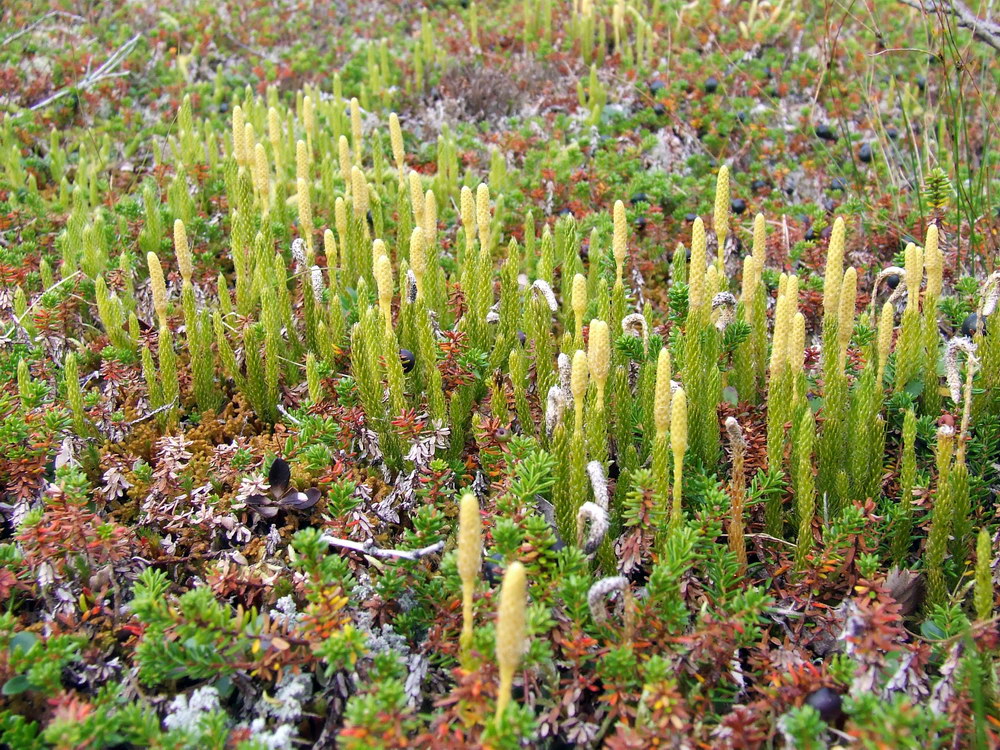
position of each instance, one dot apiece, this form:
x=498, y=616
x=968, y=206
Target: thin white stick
x=103, y=73
x=368, y=548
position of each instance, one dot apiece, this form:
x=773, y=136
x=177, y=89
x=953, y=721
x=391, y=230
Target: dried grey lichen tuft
x=951, y=367
x=597, y=597
x=543, y=290
x=555, y=407
x=591, y=526
x=725, y=303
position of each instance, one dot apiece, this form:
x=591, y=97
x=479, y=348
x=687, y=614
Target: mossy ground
x=157, y=593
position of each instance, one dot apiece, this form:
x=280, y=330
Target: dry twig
x=32, y=26
x=369, y=548
x=103, y=73
x=983, y=29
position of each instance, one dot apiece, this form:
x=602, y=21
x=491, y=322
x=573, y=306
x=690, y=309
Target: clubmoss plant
x=599, y=366
x=903, y=517
x=470, y=546
x=720, y=220
x=805, y=487
x=737, y=446
x=511, y=632
x=679, y=445
x=74, y=395
x=779, y=394
x=984, y=593
x=491, y=328
x=909, y=350
x=941, y=519
x=661, y=425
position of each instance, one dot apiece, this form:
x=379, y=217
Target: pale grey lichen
x=635, y=325
x=951, y=366
x=411, y=286
x=316, y=277
x=597, y=597
x=299, y=253
x=285, y=613
x=543, y=290
x=185, y=714
x=565, y=367
x=725, y=303
x=591, y=526
x=293, y=690
x=493, y=316
x=555, y=407
x=282, y=737
x=599, y=483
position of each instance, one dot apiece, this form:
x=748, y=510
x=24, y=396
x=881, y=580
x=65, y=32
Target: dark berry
x=407, y=358
x=825, y=132
x=827, y=702
x=741, y=116
x=810, y=234
x=738, y=205
x=921, y=83
x=522, y=338
x=655, y=87
x=371, y=221
x=758, y=185
x=659, y=110
x=639, y=198
x=690, y=217
x=640, y=224
x=566, y=212
x=711, y=84
x=223, y=107
x=892, y=280
x=838, y=183
x=493, y=568
x=865, y=153
x=970, y=323
x=892, y=132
